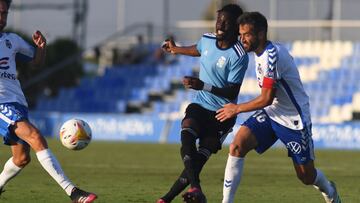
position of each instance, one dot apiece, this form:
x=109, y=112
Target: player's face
x=248, y=37
x=225, y=26
x=3, y=14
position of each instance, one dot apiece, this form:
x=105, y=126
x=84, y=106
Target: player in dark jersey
x=223, y=63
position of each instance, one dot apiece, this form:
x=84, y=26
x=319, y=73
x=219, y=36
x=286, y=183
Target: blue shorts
x=10, y=113
x=298, y=142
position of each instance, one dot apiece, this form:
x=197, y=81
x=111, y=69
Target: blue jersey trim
x=239, y=49
x=293, y=100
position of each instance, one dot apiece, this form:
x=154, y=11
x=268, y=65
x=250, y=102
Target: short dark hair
x=8, y=3
x=256, y=19
x=234, y=10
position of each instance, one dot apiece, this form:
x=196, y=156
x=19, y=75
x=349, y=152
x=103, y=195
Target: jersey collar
x=268, y=43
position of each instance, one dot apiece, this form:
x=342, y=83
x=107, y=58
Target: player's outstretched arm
x=231, y=110
x=169, y=46
x=40, y=43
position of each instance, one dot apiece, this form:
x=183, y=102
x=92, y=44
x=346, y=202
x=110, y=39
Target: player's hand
x=168, y=46
x=228, y=111
x=193, y=83
x=39, y=39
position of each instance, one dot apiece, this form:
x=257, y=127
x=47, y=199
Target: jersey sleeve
x=269, y=79
x=25, y=52
x=238, y=69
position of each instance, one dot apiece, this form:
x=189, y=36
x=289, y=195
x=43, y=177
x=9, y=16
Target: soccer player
x=223, y=63
x=282, y=113
x=15, y=127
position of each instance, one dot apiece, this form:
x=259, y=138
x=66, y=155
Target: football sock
x=322, y=184
x=52, y=166
x=10, y=170
x=232, y=177
x=181, y=183
x=188, y=151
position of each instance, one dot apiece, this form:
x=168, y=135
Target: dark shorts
x=211, y=132
x=298, y=142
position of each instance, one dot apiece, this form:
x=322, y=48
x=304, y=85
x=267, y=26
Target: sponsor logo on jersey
x=221, y=62
x=7, y=75
x=4, y=63
x=8, y=44
x=294, y=147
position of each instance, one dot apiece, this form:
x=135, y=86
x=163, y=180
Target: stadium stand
x=329, y=70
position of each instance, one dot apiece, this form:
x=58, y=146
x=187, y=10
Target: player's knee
x=188, y=136
x=236, y=150
x=37, y=141
x=22, y=160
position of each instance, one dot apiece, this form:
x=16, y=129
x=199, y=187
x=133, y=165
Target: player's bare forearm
x=40, y=42
x=169, y=46
x=188, y=50
x=39, y=58
x=264, y=99
x=231, y=110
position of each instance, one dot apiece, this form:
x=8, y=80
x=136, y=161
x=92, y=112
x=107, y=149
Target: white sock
x=52, y=166
x=232, y=178
x=322, y=184
x=10, y=170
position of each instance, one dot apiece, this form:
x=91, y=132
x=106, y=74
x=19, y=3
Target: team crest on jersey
x=270, y=73
x=8, y=44
x=221, y=62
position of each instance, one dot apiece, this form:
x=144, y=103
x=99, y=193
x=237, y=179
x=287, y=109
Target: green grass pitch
x=138, y=173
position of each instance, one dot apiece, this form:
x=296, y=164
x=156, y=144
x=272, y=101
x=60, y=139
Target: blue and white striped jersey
x=220, y=68
x=12, y=48
x=276, y=67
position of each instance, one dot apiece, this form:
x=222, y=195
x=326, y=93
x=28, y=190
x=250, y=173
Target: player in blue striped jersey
x=282, y=113
x=223, y=63
x=15, y=127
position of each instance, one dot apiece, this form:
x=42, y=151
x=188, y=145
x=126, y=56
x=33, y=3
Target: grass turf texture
x=138, y=173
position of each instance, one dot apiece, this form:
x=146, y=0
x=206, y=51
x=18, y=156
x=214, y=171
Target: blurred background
x=105, y=65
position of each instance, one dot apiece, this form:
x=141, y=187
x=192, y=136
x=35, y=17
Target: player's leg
x=300, y=148
x=31, y=135
x=191, y=128
x=255, y=133
x=182, y=182
x=243, y=142
x=211, y=135
x=188, y=151
x=20, y=158
x=309, y=175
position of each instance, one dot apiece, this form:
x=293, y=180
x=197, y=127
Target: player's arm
x=264, y=99
x=230, y=92
x=170, y=47
x=40, y=52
